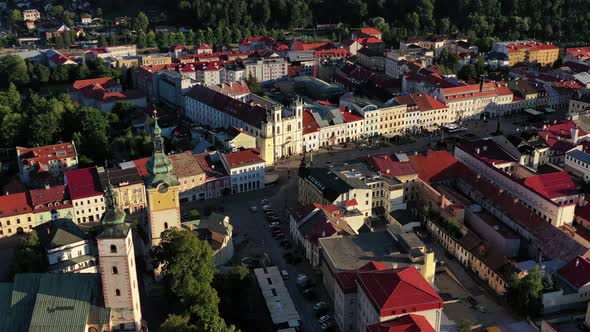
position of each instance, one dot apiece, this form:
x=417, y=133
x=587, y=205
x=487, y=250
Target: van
x=284, y=274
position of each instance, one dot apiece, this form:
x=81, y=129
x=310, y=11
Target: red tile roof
x=301, y=46
x=44, y=154
x=310, y=125
x=368, y=40
x=531, y=46
x=14, y=205
x=577, y=272
x=469, y=92
x=242, y=158
x=488, y=151
x=105, y=82
x=349, y=116
x=268, y=41
x=561, y=130
x=60, y=59
x=579, y=52
x=393, y=292
x=98, y=89
x=423, y=101
x=83, y=182
x=185, y=165
x=141, y=166
x=202, y=66
x=49, y=199
x=347, y=279
x=405, y=323
x=232, y=89
x=552, y=185
x=370, y=31
x=436, y=165
x=204, y=46
x=212, y=169
x=388, y=167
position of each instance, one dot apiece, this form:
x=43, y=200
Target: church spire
x=113, y=214
x=159, y=166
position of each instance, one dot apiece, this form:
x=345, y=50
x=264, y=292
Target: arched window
x=118, y=292
x=115, y=270
x=113, y=248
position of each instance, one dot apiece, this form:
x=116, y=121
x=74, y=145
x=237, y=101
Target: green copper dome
x=113, y=215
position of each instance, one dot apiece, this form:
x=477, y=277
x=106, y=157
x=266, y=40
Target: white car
x=253, y=209
x=266, y=207
x=324, y=319
x=326, y=326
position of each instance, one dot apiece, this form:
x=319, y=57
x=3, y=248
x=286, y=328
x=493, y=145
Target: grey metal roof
x=5, y=301
x=58, y=233
x=329, y=183
x=114, y=231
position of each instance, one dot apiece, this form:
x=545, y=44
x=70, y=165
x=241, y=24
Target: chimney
x=485, y=148
x=477, y=150
x=46, y=186
x=577, y=262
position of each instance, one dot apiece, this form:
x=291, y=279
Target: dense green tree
x=15, y=17
x=190, y=37
x=525, y=294
x=142, y=40
x=141, y=22
x=181, y=38
x=29, y=255
x=253, y=84
x=57, y=11
x=178, y=323
x=13, y=69
x=162, y=40
x=102, y=42
x=151, y=39
x=465, y=325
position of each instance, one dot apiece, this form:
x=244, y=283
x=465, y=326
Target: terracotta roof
x=531, y=46
x=310, y=125
x=44, y=154
x=396, y=291
x=242, y=158
x=349, y=116
x=469, y=92
x=436, y=165
x=269, y=41
x=253, y=115
x=405, y=323
x=14, y=204
x=232, y=89
x=423, y=101
x=141, y=166
x=185, y=165
x=301, y=46
x=204, y=46
x=98, y=89
x=581, y=53
x=347, y=279
x=487, y=151
x=577, y=272
x=46, y=199
x=370, y=31
x=561, y=130
x=60, y=59
x=389, y=167
x=105, y=82
x=213, y=170
x=552, y=185
x=83, y=182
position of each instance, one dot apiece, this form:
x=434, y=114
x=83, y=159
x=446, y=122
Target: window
x=117, y=292
x=165, y=225
x=113, y=248
x=115, y=270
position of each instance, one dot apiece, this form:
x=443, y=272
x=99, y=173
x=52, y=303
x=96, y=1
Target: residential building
x=31, y=15
x=528, y=51
x=367, y=32
x=579, y=104
x=207, y=73
x=234, y=139
x=551, y=196
x=103, y=93
x=68, y=249
x=383, y=295
x=86, y=194
x=434, y=42
x=325, y=186
x=246, y=170
x=371, y=59
x=354, y=124
x=237, y=89
x=277, y=130
x=35, y=164
x=396, y=166
x=465, y=102
x=191, y=177
x=86, y=19
x=311, y=132
x=371, y=111
x=310, y=223
x=218, y=232
x=577, y=162
x=577, y=54
x=431, y=113
x=56, y=59
x=203, y=48
x=333, y=128
x=51, y=203
x=127, y=185
x=16, y=215
x=169, y=86
x=573, y=290
x=562, y=136
x=154, y=59
x=399, y=62
x=217, y=180
x=266, y=69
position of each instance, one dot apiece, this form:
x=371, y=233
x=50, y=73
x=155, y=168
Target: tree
x=190, y=37
x=29, y=255
x=465, y=325
x=181, y=38
x=253, y=84
x=194, y=214
x=141, y=22
x=178, y=323
x=15, y=17
x=13, y=69
x=57, y=11
x=142, y=40
x=151, y=39
x=525, y=294
x=188, y=268
x=102, y=42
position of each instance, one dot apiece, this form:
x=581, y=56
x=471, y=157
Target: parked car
x=284, y=274
x=309, y=294
x=480, y=309
x=471, y=300
x=253, y=209
x=264, y=201
x=320, y=306
x=266, y=207
x=278, y=235
x=275, y=228
x=324, y=319
x=274, y=224
x=326, y=326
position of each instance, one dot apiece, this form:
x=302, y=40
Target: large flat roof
x=277, y=297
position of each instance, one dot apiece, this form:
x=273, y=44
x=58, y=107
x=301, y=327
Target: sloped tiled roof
x=423, y=101
x=242, y=158
x=347, y=279
x=398, y=290
x=436, y=165
x=185, y=165
x=58, y=233
x=405, y=323
x=577, y=272
x=14, y=204
x=310, y=125
x=389, y=167
x=44, y=154
x=552, y=185
x=83, y=182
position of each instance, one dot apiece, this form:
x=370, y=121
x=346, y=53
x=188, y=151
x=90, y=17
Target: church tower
x=162, y=190
x=117, y=266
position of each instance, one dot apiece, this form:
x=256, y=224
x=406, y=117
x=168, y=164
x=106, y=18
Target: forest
x=562, y=21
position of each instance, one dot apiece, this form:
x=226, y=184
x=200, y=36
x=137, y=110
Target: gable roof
x=394, y=291
x=310, y=125
x=552, y=185
x=14, y=204
x=242, y=158
x=436, y=165
x=83, y=182
x=59, y=233
x=347, y=279
x=389, y=167
x=577, y=272
x=405, y=323
x=423, y=101
x=44, y=154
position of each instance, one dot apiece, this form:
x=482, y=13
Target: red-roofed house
x=561, y=136
x=557, y=211
x=392, y=166
x=431, y=112
x=51, y=203
x=366, y=33
x=217, y=181
x=103, y=93
x=406, y=323
x=385, y=295
x=576, y=274
x=311, y=132
x=55, y=59
x=257, y=43
x=204, y=49
x=52, y=159
x=354, y=124
x=16, y=215
x=310, y=223
x=86, y=194
x=246, y=170
x=478, y=97
x=237, y=90
x=528, y=51
x=554, y=186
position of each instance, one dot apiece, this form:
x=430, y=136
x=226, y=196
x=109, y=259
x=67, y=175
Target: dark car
x=278, y=235
x=309, y=293
x=471, y=300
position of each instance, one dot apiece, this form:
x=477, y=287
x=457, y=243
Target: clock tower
x=162, y=189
